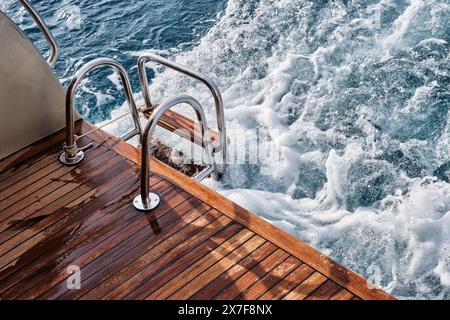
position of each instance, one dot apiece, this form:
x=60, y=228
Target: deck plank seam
x=102, y=241
x=338, y=287
x=273, y=267
x=264, y=271
x=199, y=253
x=72, y=168
x=225, y=256
x=173, y=258
x=315, y=270
x=277, y=283
x=20, y=166
x=205, y=271
x=238, y=235
x=34, y=149
x=267, y=248
x=85, y=227
x=247, y=272
x=82, y=178
x=123, y=241
x=28, y=161
x=36, y=166
x=280, y=296
x=236, y=228
x=335, y=296
x=12, y=236
x=263, y=276
x=155, y=244
x=46, y=206
x=302, y=284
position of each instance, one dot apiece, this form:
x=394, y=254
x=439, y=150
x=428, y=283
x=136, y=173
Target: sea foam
x=363, y=108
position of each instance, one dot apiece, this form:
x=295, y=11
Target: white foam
x=342, y=99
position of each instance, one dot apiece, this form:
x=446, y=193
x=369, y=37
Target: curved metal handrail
x=72, y=154
x=147, y=201
x=54, y=50
x=195, y=75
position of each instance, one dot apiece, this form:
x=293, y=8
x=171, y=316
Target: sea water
x=359, y=92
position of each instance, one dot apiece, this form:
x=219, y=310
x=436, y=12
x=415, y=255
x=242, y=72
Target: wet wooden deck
x=195, y=245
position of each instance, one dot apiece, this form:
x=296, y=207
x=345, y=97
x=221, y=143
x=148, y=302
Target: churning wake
x=360, y=91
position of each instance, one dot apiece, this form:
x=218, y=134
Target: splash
x=361, y=93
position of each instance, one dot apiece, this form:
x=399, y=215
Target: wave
x=360, y=93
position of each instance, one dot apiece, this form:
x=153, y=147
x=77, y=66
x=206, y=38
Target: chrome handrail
x=72, y=154
x=195, y=75
x=54, y=50
x=147, y=201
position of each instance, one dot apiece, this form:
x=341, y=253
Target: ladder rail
x=72, y=153
x=147, y=201
x=213, y=88
x=54, y=49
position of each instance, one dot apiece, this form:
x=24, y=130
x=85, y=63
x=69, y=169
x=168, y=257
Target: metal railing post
x=54, y=50
x=218, y=101
x=147, y=201
x=72, y=154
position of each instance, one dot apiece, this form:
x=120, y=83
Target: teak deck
x=195, y=245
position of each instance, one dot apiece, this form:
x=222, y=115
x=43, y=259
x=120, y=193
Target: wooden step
x=183, y=126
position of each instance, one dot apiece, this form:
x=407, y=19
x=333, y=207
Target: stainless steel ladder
x=72, y=154
x=147, y=201
x=213, y=88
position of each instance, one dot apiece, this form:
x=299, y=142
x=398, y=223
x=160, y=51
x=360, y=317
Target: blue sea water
x=360, y=91
x=114, y=28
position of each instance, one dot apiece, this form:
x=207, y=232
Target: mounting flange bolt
x=70, y=160
x=153, y=201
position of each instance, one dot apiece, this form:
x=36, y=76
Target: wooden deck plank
x=42, y=195
x=145, y=253
x=342, y=294
x=124, y=182
x=252, y=276
x=306, y=287
x=231, y=275
x=29, y=155
x=195, y=245
x=9, y=181
x=287, y=284
x=57, y=199
x=169, y=251
x=147, y=282
x=84, y=255
x=46, y=196
x=20, y=177
x=12, y=186
x=325, y=291
x=97, y=226
x=20, y=241
x=270, y=279
x=224, y=260
x=47, y=180
x=17, y=169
